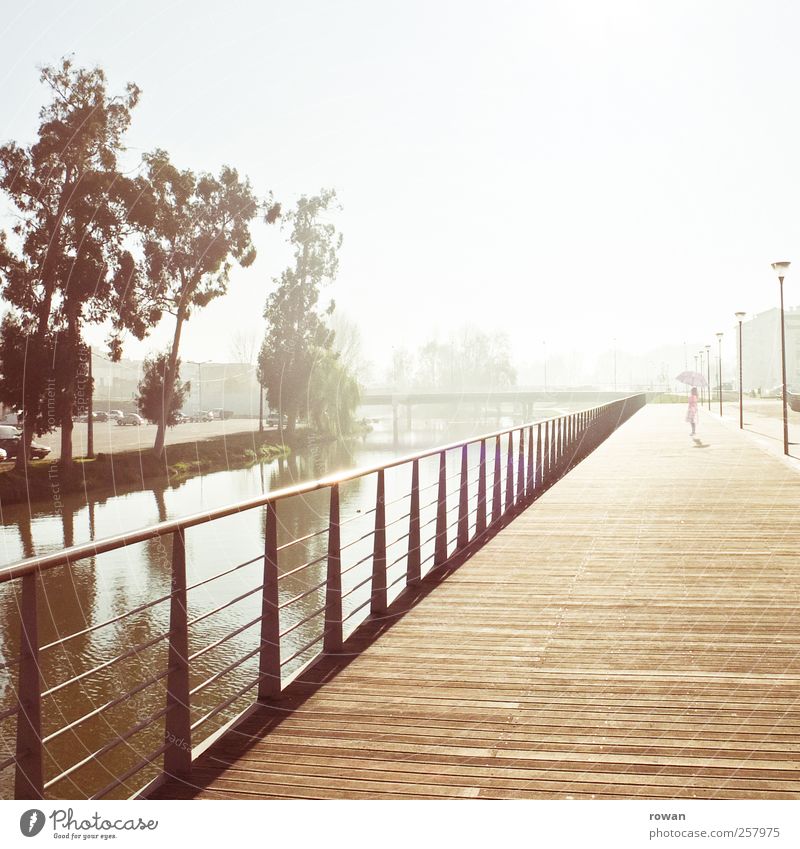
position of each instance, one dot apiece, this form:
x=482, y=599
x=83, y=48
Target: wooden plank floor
x=635, y=633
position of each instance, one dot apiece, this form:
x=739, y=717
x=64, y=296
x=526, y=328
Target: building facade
x=761, y=350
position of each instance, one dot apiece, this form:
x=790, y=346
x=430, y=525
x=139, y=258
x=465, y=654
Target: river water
x=72, y=601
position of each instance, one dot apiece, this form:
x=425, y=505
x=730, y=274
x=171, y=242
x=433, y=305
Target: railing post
x=413, y=574
x=332, y=641
x=379, y=599
x=521, y=469
x=531, y=472
x=571, y=448
x=463, y=502
x=546, y=455
x=480, y=520
x=269, y=672
x=177, y=726
x=556, y=447
x=510, y=473
x=538, y=472
x=29, y=780
x=497, y=508
x=440, y=551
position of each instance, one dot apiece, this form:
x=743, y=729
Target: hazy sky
x=571, y=172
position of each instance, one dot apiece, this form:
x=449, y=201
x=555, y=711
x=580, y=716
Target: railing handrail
x=41, y=563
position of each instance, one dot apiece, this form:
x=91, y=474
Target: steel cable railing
x=515, y=467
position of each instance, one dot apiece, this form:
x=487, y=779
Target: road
x=110, y=437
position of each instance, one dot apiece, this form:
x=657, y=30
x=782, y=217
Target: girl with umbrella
x=693, y=379
x=691, y=412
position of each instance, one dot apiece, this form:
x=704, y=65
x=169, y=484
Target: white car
x=3, y=455
x=131, y=419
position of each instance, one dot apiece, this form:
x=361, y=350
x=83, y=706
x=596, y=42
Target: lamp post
x=708, y=374
x=615, y=364
x=781, y=268
x=740, y=317
x=719, y=371
x=199, y=382
x=544, y=345
x=700, y=354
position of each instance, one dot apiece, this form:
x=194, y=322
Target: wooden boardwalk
x=634, y=633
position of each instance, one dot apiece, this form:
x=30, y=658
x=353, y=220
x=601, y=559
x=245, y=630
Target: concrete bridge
x=522, y=403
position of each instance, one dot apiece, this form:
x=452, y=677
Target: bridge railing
x=313, y=590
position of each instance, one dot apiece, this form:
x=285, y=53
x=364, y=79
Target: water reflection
x=224, y=629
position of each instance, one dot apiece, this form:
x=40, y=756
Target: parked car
x=274, y=420
x=115, y=414
x=221, y=415
x=100, y=416
x=180, y=418
x=81, y=419
x=11, y=439
x=131, y=419
x=3, y=455
x=202, y=416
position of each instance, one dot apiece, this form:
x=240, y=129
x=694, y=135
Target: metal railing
x=436, y=522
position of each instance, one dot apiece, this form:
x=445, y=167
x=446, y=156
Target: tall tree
x=201, y=226
x=71, y=265
x=296, y=331
x=333, y=395
x=152, y=397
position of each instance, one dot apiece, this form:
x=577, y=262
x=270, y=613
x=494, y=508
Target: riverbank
x=46, y=479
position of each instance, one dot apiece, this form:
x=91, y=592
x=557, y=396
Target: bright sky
x=572, y=172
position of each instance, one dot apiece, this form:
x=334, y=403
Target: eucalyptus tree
x=296, y=332
x=67, y=262
x=201, y=226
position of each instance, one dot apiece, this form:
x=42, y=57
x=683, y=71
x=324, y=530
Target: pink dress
x=691, y=413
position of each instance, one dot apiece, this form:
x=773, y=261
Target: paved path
x=634, y=633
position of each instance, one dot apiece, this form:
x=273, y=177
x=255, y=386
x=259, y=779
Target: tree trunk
x=25, y=445
x=68, y=390
x=31, y=406
x=169, y=385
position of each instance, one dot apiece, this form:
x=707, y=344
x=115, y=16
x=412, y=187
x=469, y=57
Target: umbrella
x=692, y=378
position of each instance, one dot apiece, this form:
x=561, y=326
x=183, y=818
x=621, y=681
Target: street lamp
x=199, y=382
x=615, y=364
x=719, y=371
x=708, y=374
x=544, y=345
x=700, y=354
x=740, y=316
x=781, y=268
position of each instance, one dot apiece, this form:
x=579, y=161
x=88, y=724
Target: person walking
x=691, y=412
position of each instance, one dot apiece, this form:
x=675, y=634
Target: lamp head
x=781, y=269
x=740, y=315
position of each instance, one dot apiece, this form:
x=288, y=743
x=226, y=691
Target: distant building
x=761, y=350
x=227, y=386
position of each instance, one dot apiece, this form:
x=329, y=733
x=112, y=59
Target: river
x=99, y=589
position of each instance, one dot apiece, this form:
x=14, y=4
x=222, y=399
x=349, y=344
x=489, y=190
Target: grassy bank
x=128, y=470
